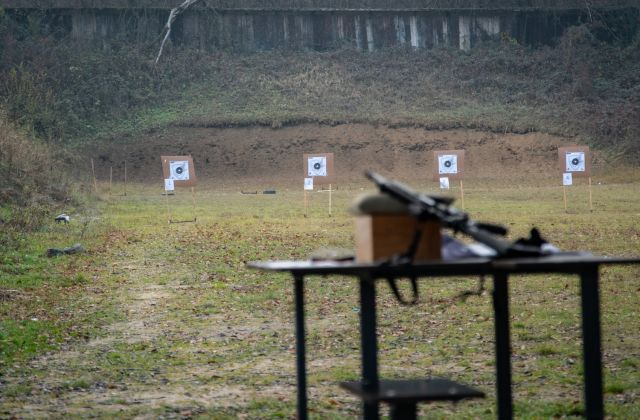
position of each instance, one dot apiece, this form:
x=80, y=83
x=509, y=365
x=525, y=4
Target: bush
x=32, y=186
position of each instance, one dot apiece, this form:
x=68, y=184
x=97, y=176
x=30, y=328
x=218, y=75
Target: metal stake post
x=329, y=200
x=590, y=196
x=93, y=171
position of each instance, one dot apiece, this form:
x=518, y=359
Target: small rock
x=74, y=249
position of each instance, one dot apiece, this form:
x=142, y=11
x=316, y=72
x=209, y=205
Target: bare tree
x=172, y=16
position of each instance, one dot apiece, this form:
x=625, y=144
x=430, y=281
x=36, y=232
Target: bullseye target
x=319, y=166
x=180, y=169
x=449, y=164
x=575, y=160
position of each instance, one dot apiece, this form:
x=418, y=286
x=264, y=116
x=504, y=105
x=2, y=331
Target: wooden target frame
x=166, y=170
x=191, y=182
x=562, y=162
x=459, y=163
x=329, y=179
x=321, y=180
x=458, y=175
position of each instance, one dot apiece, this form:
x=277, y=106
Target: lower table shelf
x=403, y=395
x=412, y=391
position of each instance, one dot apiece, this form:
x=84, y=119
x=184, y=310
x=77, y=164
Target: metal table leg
x=503, y=345
x=404, y=412
x=592, y=356
x=300, y=347
x=368, y=343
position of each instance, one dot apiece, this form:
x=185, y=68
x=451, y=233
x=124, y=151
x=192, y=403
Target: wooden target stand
x=308, y=186
x=95, y=181
x=178, y=172
x=449, y=165
x=124, y=193
x=575, y=161
x=318, y=170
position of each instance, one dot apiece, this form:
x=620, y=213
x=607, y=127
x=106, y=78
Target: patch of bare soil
x=154, y=358
x=266, y=155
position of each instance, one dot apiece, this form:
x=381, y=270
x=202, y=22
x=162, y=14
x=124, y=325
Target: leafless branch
x=588, y=4
x=172, y=16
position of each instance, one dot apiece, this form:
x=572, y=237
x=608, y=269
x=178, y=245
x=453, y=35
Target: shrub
x=32, y=186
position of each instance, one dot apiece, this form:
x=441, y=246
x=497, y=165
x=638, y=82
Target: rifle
x=425, y=207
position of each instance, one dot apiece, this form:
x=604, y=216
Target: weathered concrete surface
x=368, y=25
x=343, y=5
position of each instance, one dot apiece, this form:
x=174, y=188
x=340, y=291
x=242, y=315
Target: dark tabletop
x=556, y=263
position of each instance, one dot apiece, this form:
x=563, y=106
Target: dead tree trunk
x=172, y=17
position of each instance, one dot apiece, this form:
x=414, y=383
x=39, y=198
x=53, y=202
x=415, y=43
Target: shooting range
x=575, y=161
x=419, y=265
x=179, y=172
x=319, y=167
x=449, y=166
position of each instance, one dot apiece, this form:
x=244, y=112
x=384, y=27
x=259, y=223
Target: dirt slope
x=262, y=155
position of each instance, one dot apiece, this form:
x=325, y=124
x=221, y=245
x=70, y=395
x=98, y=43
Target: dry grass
x=199, y=334
x=31, y=168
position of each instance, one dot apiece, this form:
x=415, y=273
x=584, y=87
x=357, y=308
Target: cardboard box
x=381, y=236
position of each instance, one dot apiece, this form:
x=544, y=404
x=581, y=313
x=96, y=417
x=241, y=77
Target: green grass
x=41, y=299
x=177, y=325
x=25, y=339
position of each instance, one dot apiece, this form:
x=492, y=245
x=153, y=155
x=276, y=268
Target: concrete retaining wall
x=367, y=25
x=328, y=5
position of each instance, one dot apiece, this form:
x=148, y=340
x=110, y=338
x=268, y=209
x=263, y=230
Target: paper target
x=168, y=185
x=317, y=166
x=575, y=162
x=448, y=164
x=575, y=159
x=179, y=170
x=567, y=179
x=308, y=184
x=320, y=167
x=444, y=183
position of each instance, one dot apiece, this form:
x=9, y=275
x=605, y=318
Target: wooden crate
x=380, y=236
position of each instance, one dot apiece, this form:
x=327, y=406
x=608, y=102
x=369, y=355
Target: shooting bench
x=403, y=396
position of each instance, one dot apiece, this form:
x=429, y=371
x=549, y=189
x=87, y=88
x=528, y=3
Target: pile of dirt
x=265, y=155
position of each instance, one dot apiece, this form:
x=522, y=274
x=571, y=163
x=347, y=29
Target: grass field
x=165, y=320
